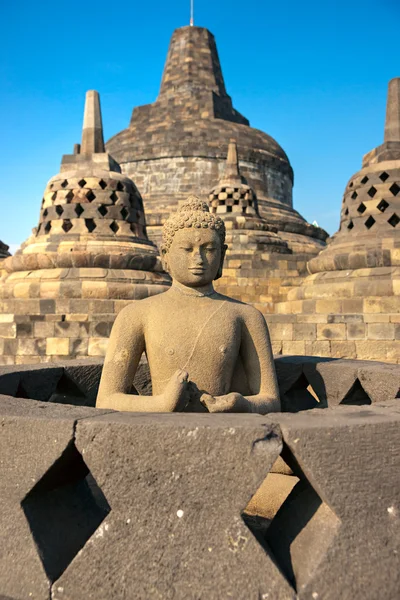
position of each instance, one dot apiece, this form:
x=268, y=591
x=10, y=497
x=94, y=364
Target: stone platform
x=93, y=506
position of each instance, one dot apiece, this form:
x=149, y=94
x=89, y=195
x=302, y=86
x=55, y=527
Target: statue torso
x=200, y=335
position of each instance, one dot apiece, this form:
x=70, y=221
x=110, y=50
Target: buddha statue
x=206, y=351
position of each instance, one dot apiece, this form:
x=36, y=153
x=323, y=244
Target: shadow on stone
x=297, y=531
x=63, y=510
x=301, y=396
x=356, y=396
x=68, y=392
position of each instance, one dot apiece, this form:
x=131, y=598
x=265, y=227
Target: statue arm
x=258, y=362
x=125, y=348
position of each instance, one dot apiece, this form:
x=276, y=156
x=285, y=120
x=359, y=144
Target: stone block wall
x=285, y=506
x=41, y=330
x=178, y=177
x=339, y=329
x=261, y=279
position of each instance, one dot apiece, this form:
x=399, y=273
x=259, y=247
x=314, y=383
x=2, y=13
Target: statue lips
x=197, y=270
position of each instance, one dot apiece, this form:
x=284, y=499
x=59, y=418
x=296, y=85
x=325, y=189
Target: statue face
x=194, y=257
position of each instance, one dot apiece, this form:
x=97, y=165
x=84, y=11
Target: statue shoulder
x=250, y=314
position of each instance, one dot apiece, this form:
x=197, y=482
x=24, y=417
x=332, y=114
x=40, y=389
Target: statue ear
x=164, y=260
x=221, y=264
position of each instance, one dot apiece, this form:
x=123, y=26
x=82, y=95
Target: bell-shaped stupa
x=352, y=296
x=87, y=258
x=177, y=145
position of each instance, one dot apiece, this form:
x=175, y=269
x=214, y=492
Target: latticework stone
x=87, y=258
x=349, y=305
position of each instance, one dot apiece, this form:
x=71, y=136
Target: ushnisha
x=206, y=351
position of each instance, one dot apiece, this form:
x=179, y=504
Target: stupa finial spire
x=392, y=123
x=232, y=163
x=92, y=132
x=191, y=13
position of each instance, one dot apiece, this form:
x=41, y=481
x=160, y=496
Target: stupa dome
x=177, y=145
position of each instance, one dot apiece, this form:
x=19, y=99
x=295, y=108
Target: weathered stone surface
x=177, y=145
x=345, y=508
x=175, y=528
x=34, y=439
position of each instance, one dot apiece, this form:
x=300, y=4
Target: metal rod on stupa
x=191, y=13
x=92, y=132
x=392, y=123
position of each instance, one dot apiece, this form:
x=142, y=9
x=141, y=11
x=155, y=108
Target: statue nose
x=198, y=259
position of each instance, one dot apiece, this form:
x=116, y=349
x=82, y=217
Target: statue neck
x=195, y=292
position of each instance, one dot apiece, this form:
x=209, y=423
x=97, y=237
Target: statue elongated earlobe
x=221, y=264
x=164, y=260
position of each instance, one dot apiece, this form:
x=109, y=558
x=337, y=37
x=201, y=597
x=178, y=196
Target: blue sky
x=311, y=74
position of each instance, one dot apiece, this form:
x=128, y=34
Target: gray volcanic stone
x=338, y=533
x=177, y=485
x=34, y=440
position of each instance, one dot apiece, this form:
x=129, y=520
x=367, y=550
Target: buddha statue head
x=193, y=245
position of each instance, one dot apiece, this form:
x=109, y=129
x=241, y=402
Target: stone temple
x=349, y=305
x=4, y=253
x=178, y=145
x=88, y=257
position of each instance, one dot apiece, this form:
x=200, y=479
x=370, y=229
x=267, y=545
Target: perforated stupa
x=88, y=256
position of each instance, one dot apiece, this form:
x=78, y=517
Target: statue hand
x=176, y=394
x=233, y=402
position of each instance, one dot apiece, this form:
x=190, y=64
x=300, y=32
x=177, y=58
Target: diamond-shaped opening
x=54, y=196
x=301, y=396
x=102, y=210
x=395, y=189
x=70, y=196
x=384, y=176
x=90, y=196
x=290, y=521
x=79, y=210
x=364, y=180
x=63, y=510
x=47, y=227
x=82, y=183
x=102, y=184
x=120, y=187
x=67, y=392
x=361, y=208
x=351, y=184
x=354, y=195
x=350, y=225
x=64, y=183
x=369, y=222
x=114, y=227
x=90, y=225
x=67, y=225
x=113, y=197
x=59, y=210
x=356, y=395
x=383, y=205
x=372, y=191
x=43, y=201
x=45, y=213
x=124, y=213
x=394, y=220
x=346, y=212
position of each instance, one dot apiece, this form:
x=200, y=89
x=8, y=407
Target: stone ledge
x=154, y=517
